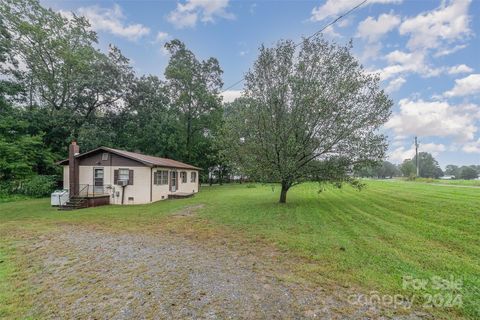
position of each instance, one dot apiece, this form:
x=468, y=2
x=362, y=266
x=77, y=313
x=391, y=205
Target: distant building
x=448, y=177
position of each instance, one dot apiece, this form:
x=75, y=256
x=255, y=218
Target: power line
x=313, y=35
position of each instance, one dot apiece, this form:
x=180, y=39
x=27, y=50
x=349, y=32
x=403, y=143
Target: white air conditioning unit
x=122, y=183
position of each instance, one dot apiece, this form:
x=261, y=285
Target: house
x=111, y=176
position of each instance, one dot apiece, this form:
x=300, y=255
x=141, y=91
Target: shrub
x=34, y=186
x=38, y=186
x=412, y=177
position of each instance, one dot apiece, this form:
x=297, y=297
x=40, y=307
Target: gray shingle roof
x=145, y=159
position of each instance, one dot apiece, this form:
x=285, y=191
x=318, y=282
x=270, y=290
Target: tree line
x=428, y=168
x=56, y=86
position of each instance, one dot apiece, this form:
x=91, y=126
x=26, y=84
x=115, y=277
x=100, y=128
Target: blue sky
x=427, y=53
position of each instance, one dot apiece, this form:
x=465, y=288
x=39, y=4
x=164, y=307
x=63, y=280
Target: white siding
x=160, y=191
x=188, y=187
x=140, y=190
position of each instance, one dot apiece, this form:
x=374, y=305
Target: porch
x=87, y=196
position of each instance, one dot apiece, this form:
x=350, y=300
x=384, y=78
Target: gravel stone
x=92, y=274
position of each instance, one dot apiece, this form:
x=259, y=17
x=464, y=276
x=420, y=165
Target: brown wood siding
x=95, y=159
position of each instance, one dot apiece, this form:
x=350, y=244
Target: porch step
x=74, y=203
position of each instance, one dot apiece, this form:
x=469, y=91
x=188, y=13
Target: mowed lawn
x=367, y=240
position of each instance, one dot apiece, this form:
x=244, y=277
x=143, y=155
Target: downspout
x=123, y=193
x=151, y=182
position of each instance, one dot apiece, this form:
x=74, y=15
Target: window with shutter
x=115, y=177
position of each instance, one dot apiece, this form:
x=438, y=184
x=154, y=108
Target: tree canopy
x=311, y=113
x=383, y=170
x=468, y=173
x=68, y=89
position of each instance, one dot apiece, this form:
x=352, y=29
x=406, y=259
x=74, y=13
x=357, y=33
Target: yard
x=234, y=246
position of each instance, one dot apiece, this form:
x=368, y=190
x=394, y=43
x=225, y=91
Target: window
x=123, y=174
x=104, y=156
x=183, y=177
x=160, y=177
x=193, y=177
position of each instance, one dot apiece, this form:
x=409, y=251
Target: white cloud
x=401, y=153
x=395, y=84
x=448, y=50
x=461, y=68
x=331, y=32
x=186, y=15
x=405, y=58
x=432, y=148
x=111, y=20
x=469, y=85
x=429, y=29
x=372, y=29
x=402, y=62
x=231, y=95
x=333, y=8
x=161, y=36
x=472, y=147
x=434, y=32
x=433, y=118
x=370, y=51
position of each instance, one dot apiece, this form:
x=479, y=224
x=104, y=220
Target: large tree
x=408, y=168
x=21, y=154
x=194, y=88
x=62, y=71
x=468, y=173
x=428, y=166
x=452, y=170
x=312, y=113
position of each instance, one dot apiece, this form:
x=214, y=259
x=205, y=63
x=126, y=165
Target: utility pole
x=416, y=155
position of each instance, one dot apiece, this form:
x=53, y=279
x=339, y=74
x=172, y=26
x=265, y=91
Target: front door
x=173, y=179
x=98, y=180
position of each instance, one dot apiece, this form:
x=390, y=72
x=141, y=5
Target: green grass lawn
x=368, y=240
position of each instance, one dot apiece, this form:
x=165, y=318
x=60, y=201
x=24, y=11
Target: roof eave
x=146, y=163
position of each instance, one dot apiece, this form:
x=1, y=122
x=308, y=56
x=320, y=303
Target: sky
x=426, y=52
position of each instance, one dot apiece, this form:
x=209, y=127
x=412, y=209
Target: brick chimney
x=73, y=171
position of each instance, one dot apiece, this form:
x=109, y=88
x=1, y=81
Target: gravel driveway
x=87, y=273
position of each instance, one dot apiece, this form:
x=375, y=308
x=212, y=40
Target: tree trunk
x=283, y=192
